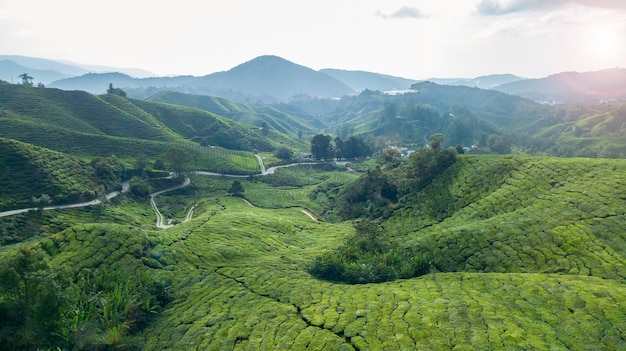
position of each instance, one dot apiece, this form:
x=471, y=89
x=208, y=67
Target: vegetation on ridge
x=493, y=252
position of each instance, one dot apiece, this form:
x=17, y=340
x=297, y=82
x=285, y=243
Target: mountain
x=35, y=63
x=272, y=78
x=484, y=82
x=265, y=78
x=361, y=80
x=11, y=70
x=66, y=68
x=98, y=83
x=595, y=86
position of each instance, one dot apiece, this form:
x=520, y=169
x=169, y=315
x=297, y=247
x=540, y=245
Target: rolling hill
x=483, y=82
x=361, y=80
x=527, y=254
x=527, y=251
x=250, y=114
x=572, y=87
x=47, y=117
x=29, y=171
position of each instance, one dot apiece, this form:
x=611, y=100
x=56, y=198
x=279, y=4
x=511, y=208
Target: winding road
x=109, y=196
x=160, y=220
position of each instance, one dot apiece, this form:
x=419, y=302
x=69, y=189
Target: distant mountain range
x=483, y=82
x=274, y=79
x=46, y=71
x=609, y=84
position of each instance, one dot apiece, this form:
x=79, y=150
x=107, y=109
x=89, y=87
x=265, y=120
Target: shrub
x=369, y=258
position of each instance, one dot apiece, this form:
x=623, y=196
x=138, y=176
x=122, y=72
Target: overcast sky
x=410, y=38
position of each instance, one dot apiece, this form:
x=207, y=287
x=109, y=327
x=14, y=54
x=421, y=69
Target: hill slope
x=80, y=123
x=361, y=80
x=29, y=171
x=254, y=115
x=532, y=249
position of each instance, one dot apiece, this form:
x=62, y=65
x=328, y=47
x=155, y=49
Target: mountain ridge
x=607, y=84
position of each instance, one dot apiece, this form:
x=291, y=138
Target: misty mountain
x=34, y=63
x=10, y=71
x=98, y=83
x=484, y=82
x=40, y=69
x=572, y=86
x=272, y=78
x=361, y=80
x=265, y=78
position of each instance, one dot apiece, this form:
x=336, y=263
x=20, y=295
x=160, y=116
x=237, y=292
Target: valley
x=185, y=222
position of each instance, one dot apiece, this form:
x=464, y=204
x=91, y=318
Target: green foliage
x=108, y=171
x=116, y=91
x=236, y=188
x=321, y=148
x=368, y=258
x=30, y=299
x=29, y=171
x=177, y=160
x=375, y=192
x=283, y=153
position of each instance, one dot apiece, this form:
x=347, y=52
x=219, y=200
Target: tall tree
x=321, y=148
x=177, y=160
x=236, y=188
x=26, y=79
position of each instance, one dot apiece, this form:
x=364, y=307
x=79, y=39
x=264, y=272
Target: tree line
x=323, y=147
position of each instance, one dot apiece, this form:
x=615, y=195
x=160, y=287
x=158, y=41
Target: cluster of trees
x=115, y=91
x=45, y=307
x=369, y=258
x=324, y=148
x=374, y=193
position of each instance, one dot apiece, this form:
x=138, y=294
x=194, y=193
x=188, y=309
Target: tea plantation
x=528, y=253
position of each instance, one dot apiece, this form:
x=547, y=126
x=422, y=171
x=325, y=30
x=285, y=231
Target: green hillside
x=594, y=130
x=528, y=253
x=88, y=126
x=208, y=128
x=254, y=115
x=29, y=171
x=521, y=214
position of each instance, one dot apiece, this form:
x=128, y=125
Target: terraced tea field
x=528, y=255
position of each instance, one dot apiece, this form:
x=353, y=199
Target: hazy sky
x=410, y=38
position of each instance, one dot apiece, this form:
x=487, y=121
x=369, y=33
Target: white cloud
x=504, y=7
x=404, y=12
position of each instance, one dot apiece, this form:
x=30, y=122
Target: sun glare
x=603, y=42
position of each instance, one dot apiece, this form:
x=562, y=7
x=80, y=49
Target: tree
x=284, y=153
x=435, y=142
x=116, y=91
x=26, y=79
x=340, y=148
x=177, y=160
x=265, y=128
x=356, y=147
x=236, y=188
x=498, y=144
x=320, y=147
x=41, y=202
